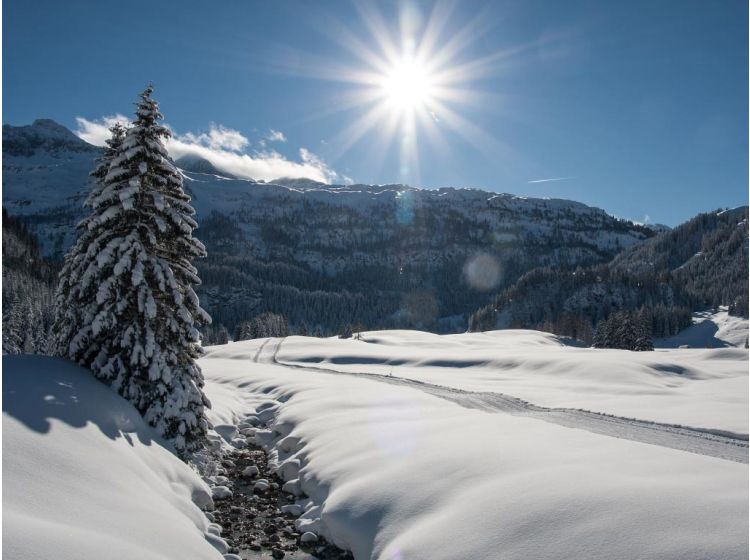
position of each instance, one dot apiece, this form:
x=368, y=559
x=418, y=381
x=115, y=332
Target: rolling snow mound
x=85, y=478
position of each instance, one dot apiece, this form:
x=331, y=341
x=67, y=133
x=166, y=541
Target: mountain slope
x=701, y=263
x=383, y=255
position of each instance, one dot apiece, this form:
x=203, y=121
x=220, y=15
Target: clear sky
x=638, y=107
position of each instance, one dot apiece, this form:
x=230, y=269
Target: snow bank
x=711, y=329
x=391, y=472
x=699, y=388
x=85, y=478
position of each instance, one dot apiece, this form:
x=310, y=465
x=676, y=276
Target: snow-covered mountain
x=370, y=253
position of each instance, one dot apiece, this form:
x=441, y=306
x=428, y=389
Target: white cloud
x=96, y=132
x=223, y=147
x=219, y=137
x=266, y=165
x=276, y=136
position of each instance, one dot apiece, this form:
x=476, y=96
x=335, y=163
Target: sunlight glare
x=412, y=82
x=407, y=86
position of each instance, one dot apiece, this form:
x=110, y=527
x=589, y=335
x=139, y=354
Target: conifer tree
x=133, y=284
x=243, y=331
x=222, y=335
x=603, y=334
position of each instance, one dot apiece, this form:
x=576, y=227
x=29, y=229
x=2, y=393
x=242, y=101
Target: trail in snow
x=713, y=443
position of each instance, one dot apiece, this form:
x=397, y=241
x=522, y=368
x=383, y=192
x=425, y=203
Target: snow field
x=700, y=388
x=386, y=470
x=391, y=472
x=710, y=330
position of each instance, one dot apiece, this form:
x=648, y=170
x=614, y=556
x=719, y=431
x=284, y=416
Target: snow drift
x=85, y=478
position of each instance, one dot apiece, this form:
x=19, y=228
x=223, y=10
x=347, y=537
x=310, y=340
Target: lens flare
x=482, y=272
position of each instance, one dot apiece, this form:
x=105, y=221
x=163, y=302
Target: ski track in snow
x=713, y=443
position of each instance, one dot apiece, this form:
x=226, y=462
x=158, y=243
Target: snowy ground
x=700, y=388
x=448, y=467
x=710, y=329
x=83, y=476
x=403, y=445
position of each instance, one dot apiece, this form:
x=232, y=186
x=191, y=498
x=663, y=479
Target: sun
x=407, y=86
x=409, y=81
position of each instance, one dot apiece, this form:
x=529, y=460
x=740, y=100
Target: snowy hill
x=504, y=445
x=386, y=255
x=700, y=264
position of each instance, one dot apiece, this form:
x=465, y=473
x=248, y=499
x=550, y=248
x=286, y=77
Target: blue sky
x=637, y=107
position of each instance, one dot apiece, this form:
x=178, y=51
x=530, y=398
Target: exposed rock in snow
x=218, y=543
x=292, y=509
x=261, y=485
x=227, y=431
x=293, y=487
x=221, y=492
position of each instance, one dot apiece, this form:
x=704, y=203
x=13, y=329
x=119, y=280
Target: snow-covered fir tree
x=131, y=280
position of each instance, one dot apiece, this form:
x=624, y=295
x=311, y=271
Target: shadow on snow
x=40, y=389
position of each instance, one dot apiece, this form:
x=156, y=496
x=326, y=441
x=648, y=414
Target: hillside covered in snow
x=84, y=476
x=382, y=255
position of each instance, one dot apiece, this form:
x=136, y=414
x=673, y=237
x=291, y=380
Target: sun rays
x=411, y=81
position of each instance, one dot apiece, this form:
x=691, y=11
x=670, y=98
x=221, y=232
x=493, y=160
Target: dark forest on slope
x=28, y=291
x=702, y=263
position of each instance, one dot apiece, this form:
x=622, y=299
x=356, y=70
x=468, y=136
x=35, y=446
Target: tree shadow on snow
x=40, y=389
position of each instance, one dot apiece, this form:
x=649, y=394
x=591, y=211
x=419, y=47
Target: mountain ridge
x=383, y=255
